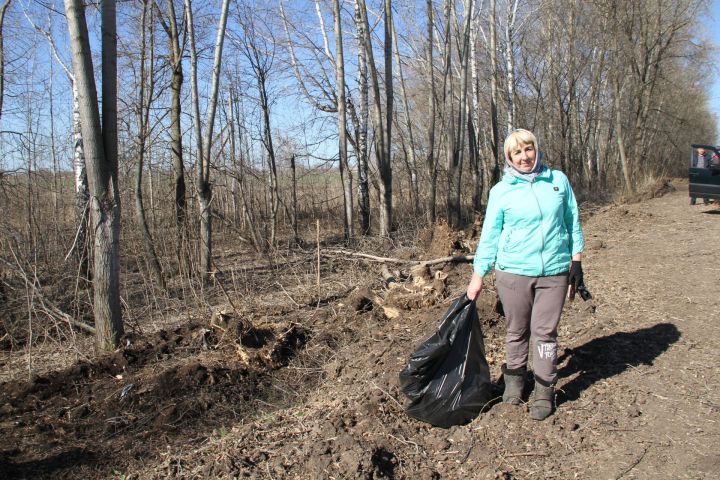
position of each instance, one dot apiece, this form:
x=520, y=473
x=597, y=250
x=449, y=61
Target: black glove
x=575, y=277
x=499, y=309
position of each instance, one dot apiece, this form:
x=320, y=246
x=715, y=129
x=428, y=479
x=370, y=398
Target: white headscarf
x=537, y=167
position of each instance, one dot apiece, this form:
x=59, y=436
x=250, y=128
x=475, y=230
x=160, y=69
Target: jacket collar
x=545, y=175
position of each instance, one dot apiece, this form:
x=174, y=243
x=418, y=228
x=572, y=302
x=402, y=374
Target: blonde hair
x=519, y=137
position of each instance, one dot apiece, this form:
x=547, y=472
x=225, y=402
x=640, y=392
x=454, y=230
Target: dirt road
x=658, y=287
x=314, y=393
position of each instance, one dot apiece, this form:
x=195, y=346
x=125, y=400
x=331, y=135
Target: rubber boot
x=514, y=383
x=543, y=402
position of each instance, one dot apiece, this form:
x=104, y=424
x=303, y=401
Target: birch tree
x=360, y=120
x=511, y=7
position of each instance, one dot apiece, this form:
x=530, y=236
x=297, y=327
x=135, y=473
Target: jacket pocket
x=564, y=240
x=512, y=241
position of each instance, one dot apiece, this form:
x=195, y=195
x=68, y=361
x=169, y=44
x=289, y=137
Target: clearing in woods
x=312, y=391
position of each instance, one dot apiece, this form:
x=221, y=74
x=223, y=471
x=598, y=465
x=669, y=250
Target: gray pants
x=532, y=309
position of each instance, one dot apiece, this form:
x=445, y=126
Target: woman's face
x=523, y=157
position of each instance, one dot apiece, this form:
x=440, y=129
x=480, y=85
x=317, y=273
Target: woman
x=532, y=236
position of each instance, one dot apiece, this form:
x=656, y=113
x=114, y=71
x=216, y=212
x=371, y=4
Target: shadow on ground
x=611, y=355
x=46, y=466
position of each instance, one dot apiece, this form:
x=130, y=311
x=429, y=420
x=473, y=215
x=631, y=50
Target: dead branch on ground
x=435, y=261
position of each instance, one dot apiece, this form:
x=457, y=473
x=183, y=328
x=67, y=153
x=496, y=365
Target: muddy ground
x=310, y=389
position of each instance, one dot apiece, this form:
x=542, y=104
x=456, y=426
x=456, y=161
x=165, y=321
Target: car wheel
x=693, y=200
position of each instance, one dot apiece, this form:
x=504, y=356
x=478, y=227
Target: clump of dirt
x=424, y=289
x=160, y=386
x=655, y=188
x=442, y=241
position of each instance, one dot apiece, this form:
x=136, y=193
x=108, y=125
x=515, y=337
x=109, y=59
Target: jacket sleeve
x=490, y=236
x=572, y=221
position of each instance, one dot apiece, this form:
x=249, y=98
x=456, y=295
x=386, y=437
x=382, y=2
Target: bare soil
x=311, y=391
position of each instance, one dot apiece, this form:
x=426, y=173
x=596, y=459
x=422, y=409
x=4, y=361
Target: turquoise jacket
x=530, y=228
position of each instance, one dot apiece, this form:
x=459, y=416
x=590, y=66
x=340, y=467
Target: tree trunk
x=236, y=103
x=430, y=160
x=294, y=218
x=144, y=105
x=412, y=160
x=53, y=154
x=496, y=147
x=511, y=11
x=176, y=147
x=362, y=130
x=386, y=168
x=100, y=146
x=205, y=144
x=3, y=10
x=272, y=165
x=457, y=145
x=381, y=126
x=345, y=173
x=630, y=188
x=82, y=193
x=476, y=161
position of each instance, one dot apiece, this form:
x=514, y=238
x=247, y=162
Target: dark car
x=704, y=173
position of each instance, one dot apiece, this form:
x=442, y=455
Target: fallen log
x=435, y=261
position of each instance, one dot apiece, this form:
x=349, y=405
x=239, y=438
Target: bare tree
x=329, y=98
x=176, y=146
x=511, y=7
x=361, y=123
x=238, y=159
x=204, y=144
x=146, y=91
x=82, y=194
x=261, y=55
x=100, y=146
x=477, y=169
x=430, y=159
x=411, y=155
x=345, y=173
x=382, y=124
x=3, y=10
x=456, y=144
x=494, y=96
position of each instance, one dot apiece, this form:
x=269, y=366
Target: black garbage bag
x=447, y=379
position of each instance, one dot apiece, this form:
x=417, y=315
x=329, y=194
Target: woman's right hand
x=476, y=284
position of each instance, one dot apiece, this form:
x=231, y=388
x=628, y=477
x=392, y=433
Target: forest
x=165, y=161
x=245, y=124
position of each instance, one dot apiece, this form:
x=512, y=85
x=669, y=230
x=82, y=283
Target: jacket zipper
x=542, y=232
